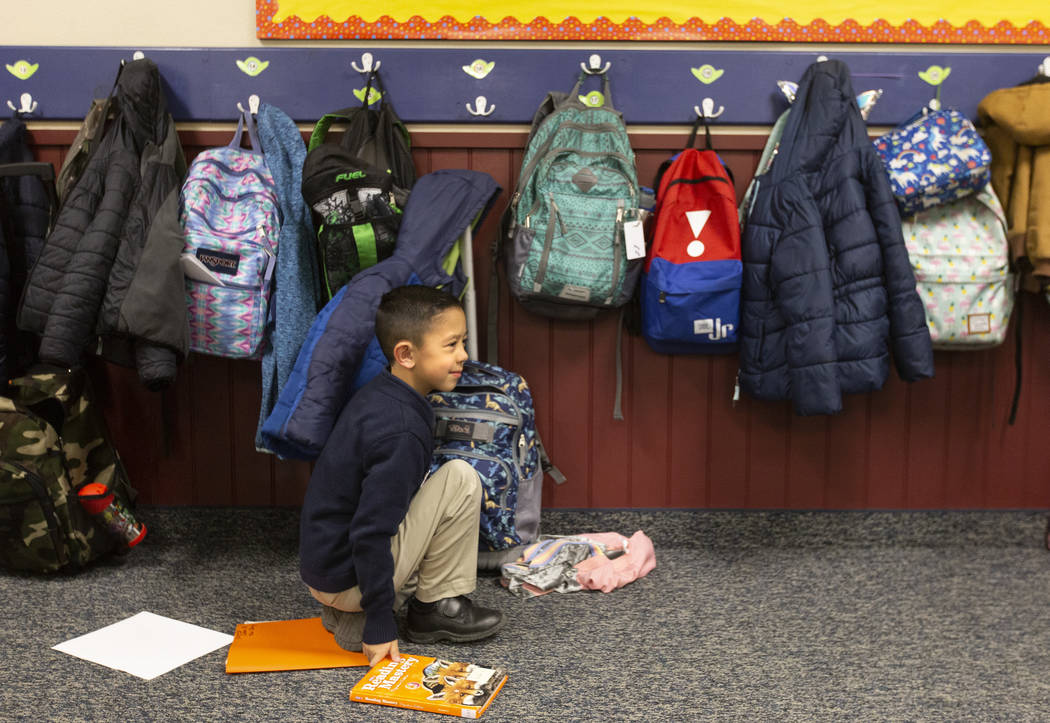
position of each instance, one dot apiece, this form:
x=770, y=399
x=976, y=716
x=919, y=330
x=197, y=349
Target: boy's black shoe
x=347, y=628
x=454, y=619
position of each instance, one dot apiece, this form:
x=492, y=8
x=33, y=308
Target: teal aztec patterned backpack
x=577, y=193
x=231, y=217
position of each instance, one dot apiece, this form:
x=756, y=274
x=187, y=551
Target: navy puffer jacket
x=25, y=211
x=828, y=290
x=110, y=269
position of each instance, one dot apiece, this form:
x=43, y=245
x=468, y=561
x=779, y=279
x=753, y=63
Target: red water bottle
x=114, y=516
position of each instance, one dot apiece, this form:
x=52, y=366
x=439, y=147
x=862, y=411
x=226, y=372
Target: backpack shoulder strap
x=320, y=131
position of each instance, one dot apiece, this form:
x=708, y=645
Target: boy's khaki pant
x=435, y=549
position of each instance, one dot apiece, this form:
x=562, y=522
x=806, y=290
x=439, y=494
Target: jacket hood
x=441, y=206
x=824, y=106
x=1023, y=112
x=143, y=107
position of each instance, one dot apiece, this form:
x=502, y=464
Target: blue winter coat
x=828, y=290
x=340, y=353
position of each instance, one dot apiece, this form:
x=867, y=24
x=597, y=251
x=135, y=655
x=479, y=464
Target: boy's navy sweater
x=370, y=468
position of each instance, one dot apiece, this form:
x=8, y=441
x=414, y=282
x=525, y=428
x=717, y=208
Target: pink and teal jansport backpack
x=231, y=218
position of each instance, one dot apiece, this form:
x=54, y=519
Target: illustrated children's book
x=431, y=684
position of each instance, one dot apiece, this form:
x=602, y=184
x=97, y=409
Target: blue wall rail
x=439, y=85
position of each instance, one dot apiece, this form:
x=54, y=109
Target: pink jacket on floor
x=601, y=573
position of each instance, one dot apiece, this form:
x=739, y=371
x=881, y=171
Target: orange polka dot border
x=447, y=28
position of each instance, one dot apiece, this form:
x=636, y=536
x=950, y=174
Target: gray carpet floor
x=774, y=616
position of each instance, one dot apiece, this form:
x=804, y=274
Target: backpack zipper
x=212, y=161
x=618, y=250
x=505, y=492
x=557, y=213
x=702, y=179
x=48, y=506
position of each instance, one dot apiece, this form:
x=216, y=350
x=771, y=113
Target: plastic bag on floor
x=594, y=561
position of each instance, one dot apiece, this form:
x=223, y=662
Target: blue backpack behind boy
x=489, y=422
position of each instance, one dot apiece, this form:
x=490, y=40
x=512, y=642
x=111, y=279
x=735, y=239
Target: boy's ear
x=404, y=354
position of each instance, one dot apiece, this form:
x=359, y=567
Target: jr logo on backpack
x=691, y=288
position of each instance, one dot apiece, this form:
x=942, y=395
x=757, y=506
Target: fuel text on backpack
x=691, y=288
x=576, y=193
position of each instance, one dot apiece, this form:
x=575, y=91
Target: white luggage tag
x=634, y=239
x=194, y=269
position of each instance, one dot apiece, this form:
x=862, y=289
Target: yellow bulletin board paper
x=1008, y=21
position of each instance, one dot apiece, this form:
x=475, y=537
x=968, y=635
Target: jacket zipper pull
x=663, y=297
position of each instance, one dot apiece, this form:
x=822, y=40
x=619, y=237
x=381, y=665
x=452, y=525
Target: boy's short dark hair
x=405, y=313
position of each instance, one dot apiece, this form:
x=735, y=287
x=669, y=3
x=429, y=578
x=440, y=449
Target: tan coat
x=1015, y=123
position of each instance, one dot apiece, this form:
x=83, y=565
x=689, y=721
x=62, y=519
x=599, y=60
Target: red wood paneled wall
x=940, y=443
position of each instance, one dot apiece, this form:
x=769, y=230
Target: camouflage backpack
x=52, y=442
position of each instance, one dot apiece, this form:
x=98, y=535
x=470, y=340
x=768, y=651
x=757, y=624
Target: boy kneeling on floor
x=373, y=532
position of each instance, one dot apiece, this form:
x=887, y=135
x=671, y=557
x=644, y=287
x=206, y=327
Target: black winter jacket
x=110, y=270
x=828, y=289
x=25, y=211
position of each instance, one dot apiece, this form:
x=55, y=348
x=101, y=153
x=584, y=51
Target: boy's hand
x=375, y=653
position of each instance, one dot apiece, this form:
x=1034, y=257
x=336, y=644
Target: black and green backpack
x=374, y=134
x=355, y=211
x=356, y=188
x=53, y=441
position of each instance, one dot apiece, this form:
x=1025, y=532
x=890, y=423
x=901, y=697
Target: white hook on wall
x=706, y=109
x=26, y=104
x=368, y=64
x=253, y=105
x=480, y=104
x=594, y=65
x=137, y=55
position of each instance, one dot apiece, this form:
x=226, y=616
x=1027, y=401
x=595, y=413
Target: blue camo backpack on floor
x=231, y=217
x=489, y=422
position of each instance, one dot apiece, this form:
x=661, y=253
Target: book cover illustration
x=419, y=682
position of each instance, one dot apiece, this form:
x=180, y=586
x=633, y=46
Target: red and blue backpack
x=690, y=295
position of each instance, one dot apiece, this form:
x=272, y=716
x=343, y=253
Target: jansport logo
x=219, y=262
x=349, y=176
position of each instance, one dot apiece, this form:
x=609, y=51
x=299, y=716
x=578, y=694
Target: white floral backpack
x=961, y=260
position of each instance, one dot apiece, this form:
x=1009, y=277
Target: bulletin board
x=1022, y=22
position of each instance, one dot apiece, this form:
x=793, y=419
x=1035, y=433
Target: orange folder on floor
x=287, y=645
